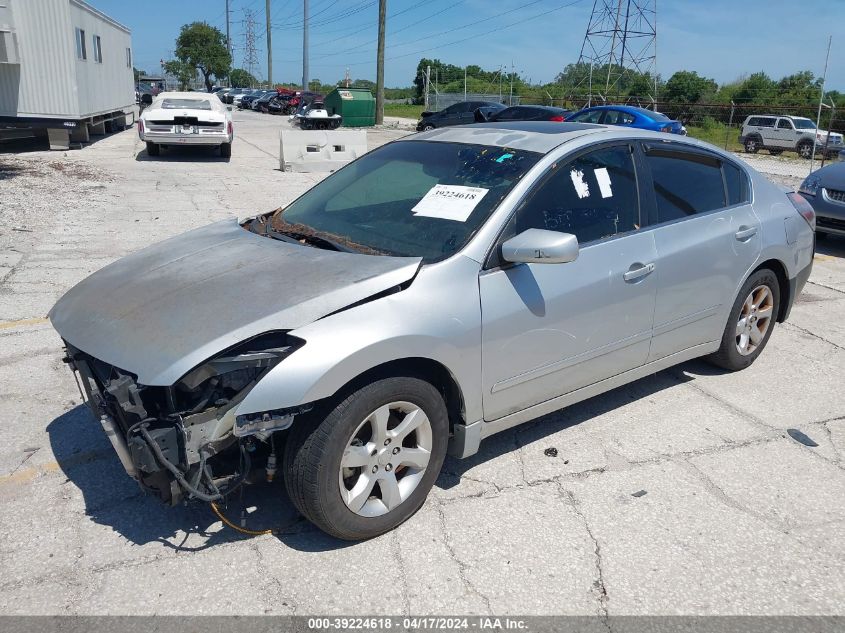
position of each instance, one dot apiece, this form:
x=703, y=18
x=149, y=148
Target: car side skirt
x=467, y=441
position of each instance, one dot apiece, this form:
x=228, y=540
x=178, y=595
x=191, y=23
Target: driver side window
x=593, y=197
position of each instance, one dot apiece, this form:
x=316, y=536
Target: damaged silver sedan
x=438, y=290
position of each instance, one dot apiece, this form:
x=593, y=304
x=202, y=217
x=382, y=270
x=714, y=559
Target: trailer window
x=81, y=53
x=98, y=51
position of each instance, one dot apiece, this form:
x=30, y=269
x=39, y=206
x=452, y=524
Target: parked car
x=824, y=189
x=247, y=100
x=456, y=114
x=260, y=104
x=787, y=133
x=440, y=289
x=529, y=113
x=628, y=116
x=229, y=95
x=186, y=118
x=238, y=97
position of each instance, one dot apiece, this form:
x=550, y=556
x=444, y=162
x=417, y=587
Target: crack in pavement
x=598, y=584
x=816, y=283
x=403, y=574
x=462, y=567
x=791, y=326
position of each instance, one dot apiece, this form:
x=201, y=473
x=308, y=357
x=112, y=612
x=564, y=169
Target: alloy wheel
x=385, y=459
x=755, y=318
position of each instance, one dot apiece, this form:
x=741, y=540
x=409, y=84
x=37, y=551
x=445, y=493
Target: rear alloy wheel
x=805, y=149
x=370, y=464
x=751, y=322
x=752, y=146
x=153, y=149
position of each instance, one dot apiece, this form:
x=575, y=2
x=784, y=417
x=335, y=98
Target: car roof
x=532, y=136
x=544, y=136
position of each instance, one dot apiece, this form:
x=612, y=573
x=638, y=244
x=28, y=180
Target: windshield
x=185, y=104
x=803, y=124
x=410, y=198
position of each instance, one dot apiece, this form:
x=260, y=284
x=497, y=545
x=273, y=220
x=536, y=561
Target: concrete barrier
x=319, y=150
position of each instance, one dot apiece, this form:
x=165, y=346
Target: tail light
x=803, y=207
x=140, y=126
x=667, y=129
x=230, y=128
x=557, y=118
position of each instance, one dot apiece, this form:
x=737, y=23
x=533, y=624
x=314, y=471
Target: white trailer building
x=65, y=70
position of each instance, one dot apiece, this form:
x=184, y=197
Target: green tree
x=240, y=78
x=687, y=86
x=757, y=88
x=184, y=73
x=203, y=47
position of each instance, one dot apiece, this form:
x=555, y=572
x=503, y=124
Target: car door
x=707, y=237
x=589, y=116
x=548, y=329
x=617, y=117
x=454, y=113
x=783, y=135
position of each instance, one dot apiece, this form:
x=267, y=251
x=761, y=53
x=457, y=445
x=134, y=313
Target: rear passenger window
x=736, y=181
x=685, y=184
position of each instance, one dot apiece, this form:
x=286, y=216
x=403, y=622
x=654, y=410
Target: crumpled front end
x=185, y=441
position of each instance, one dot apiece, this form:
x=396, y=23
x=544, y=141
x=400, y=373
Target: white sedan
x=186, y=118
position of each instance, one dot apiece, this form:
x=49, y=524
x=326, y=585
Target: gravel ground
x=682, y=493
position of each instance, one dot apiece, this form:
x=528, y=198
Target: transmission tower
x=250, y=62
x=621, y=37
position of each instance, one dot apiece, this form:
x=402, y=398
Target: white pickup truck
x=787, y=133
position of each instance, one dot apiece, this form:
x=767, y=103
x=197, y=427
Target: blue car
x=628, y=116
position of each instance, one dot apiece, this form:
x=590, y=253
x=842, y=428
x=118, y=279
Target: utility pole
x=305, y=44
x=465, y=83
x=821, y=101
x=228, y=36
x=510, y=99
x=250, y=53
x=427, y=81
x=269, y=46
x=382, y=11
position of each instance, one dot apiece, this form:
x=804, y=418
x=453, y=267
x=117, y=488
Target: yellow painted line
x=4, y=325
x=25, y=475
x=825, y=258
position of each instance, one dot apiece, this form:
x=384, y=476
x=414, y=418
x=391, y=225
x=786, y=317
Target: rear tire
x=226, y=150
x=750, y=323
x=153, y=149
x=752, y=146
x=326, y=460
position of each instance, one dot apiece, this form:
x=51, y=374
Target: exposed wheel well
x=783, y=283
x=417, y=367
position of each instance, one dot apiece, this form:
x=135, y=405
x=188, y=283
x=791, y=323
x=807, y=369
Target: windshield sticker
x=503, y=158
x=603, y=179
x=449, y=202
x=581, y=186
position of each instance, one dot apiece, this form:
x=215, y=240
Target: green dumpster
x=356, y=105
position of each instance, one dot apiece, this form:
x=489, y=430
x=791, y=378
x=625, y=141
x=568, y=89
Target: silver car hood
x=162, y=311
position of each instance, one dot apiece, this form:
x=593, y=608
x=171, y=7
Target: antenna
x=621, y=37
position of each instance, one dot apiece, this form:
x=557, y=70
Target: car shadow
x=113, y=499
x=540, y=428
x=833, y=245
x=185, y=154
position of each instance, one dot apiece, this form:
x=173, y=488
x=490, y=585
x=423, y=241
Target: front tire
x=370, y=463
x=427, y=127
x=752, y=145
x=750, y=323
x=805, y=150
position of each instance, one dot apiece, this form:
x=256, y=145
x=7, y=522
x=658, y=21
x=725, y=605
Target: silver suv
x=787, y=133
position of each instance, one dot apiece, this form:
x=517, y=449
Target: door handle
x=745, y=233
x=638, y=273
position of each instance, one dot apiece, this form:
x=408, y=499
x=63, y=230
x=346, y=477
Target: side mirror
x=539, y=246
x=229, y=108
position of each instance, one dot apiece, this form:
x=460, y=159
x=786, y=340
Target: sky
x=721, y=39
